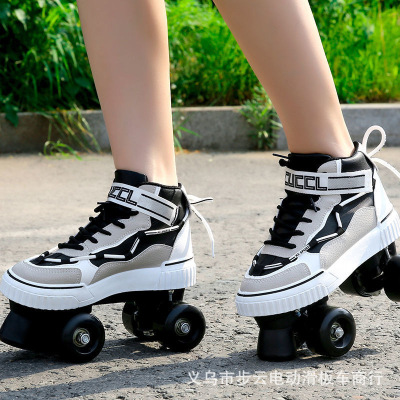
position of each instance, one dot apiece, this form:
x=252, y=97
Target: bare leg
x=281, y=42
x=127, y=45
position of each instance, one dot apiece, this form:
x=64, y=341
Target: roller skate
x=137, y=250
x=335, y=228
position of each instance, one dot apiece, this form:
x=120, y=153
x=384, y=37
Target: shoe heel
x=178, y=275
x=390, y=229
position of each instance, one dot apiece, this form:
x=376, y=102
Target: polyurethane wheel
x=353, y=286
x=333, y=331
x=368, y=280
x=131, y=324
x=82, y=338
x=391, y=279
x=183, y=328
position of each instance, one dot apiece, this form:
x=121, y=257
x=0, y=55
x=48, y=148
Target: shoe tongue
x=130, y=177
x=307, y=162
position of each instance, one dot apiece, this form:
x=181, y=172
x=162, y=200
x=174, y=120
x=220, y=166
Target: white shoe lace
x=377, y=148
x=196, y=200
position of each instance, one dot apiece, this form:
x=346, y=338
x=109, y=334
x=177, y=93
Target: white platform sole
x=180, y=274
x=323, y=282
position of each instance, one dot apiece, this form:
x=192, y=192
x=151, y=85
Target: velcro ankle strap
x=145, y=202
x=324, y=183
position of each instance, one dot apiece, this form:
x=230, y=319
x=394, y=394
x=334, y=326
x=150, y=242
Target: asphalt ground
x=44, y=200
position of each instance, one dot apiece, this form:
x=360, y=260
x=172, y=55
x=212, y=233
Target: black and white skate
x=335, y=227
x=335, y=216
x=137, y=248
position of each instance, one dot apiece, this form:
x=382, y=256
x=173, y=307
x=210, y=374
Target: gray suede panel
x=269, y=282
x=153, y=256
x=363, y=221
x=47, y=275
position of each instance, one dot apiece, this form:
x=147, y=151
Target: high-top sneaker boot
x=137, y=250
x=335, y=216
x=139, y=241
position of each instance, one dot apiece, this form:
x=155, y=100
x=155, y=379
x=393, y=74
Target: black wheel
x=333, y=331
x=183, y=328
x=82, y=338
x=368, y=279
x=131, y=321
x=352, y=285
x=391, y=279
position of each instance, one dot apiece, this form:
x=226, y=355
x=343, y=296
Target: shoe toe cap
x=278, y=279
x=46, y=275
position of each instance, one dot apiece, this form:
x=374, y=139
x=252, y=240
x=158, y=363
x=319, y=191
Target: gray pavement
x=43, y=201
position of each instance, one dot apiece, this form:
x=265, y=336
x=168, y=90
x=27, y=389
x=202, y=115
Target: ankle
x=333, y=148
x=168, y=180
x=164, y=176
x=154, y=173
x=342, y=150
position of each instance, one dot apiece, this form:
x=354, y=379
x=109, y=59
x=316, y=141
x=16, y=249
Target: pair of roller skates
x=335, y=228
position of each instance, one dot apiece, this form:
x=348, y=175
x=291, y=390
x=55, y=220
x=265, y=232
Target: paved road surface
x=43, y=201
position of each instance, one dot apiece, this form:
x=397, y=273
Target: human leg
x=336, y=217
x=127, y=45
x=281, y=42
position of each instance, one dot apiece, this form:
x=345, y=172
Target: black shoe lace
x=291, y=212
x=109, y=213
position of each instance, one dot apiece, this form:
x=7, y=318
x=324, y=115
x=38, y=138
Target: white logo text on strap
x=143, y=201
x=328, y=182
